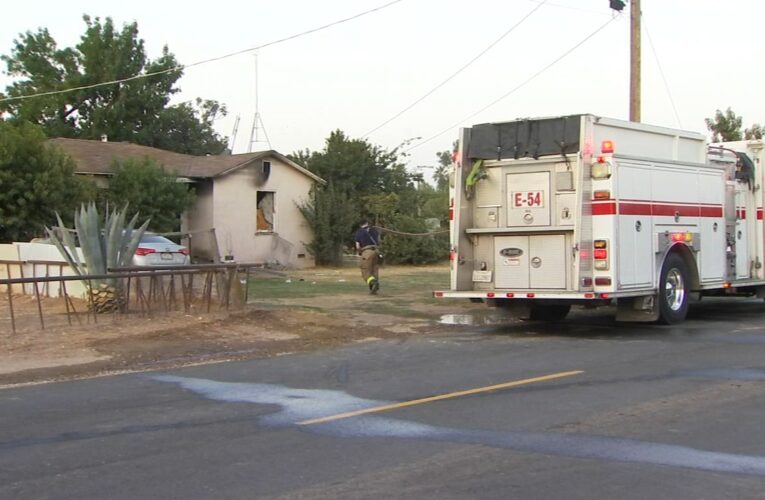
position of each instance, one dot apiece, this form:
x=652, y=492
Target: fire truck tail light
x=439, y=294
x=607, y=147
x=603, y=281
x=602, y=195
x=601, y=169
x=600, y=254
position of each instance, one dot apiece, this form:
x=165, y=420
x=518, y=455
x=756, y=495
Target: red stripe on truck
x=635, y=207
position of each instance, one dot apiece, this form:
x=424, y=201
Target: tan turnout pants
x=370, y=265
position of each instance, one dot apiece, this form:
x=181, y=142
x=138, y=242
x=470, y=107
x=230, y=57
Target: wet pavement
x=635, y=411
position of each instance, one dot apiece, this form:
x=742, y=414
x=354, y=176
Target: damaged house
x=246, y=208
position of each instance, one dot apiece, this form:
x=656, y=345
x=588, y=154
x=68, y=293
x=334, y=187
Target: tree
x=356, y=173
x=725, y=126
x=136, y=110
x=755, y=132
x=418, y=247
x=331, y=214
x=37, y=181
x=441, y=174
x=363, y=181
x=147, y=188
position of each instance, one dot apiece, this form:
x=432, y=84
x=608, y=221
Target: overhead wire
x=204, y=61
x=516, y=88
x=460, y=70
x=661, y=72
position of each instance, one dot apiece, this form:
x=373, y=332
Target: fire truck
x=584, y=210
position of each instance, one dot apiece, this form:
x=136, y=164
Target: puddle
x=299, y=405
x=473, y=320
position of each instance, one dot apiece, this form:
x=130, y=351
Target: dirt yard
x=294, y=312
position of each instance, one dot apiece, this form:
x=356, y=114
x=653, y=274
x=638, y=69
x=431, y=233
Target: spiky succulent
x=103, y=247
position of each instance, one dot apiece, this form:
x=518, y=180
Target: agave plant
x=103, y=247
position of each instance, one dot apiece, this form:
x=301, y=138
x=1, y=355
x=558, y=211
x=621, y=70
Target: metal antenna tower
x=257, y=121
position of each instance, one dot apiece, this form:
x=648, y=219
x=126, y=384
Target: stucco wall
x=201, y=218
x=235, y=216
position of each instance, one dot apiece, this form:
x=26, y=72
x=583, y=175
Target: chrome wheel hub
x=674, y=289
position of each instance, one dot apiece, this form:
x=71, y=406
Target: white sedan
x=156, y=250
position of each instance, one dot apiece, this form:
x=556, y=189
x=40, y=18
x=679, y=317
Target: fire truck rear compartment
x=524, y=218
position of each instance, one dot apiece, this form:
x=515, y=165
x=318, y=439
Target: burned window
x=266, y=212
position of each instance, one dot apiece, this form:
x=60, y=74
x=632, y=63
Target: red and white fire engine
x=583, y=210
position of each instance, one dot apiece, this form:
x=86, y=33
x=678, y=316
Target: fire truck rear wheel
x=673, y=290
x=552, y=312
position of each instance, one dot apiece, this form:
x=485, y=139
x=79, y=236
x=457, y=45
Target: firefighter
x=368, y=247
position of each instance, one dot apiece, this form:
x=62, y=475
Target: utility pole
x=618, y=6
x=635, y=60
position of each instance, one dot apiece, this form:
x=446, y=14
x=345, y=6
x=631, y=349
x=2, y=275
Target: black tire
x=548, y=312
x=673, y=290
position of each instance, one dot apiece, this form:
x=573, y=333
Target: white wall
x=235, y=211
x=26, y=252
x=201, y=218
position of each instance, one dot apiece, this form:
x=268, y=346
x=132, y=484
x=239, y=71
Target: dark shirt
x=367, y=236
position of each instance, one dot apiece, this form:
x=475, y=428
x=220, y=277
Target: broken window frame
x=262, y=223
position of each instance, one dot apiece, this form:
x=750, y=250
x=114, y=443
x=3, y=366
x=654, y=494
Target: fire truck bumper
x=504, y=294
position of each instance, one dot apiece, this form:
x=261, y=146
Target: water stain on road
x=746, y=374
x=299, y=405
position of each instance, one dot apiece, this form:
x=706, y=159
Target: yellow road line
x=440, y=397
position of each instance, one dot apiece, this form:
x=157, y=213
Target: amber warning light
x=684, y=237
x=607, y=147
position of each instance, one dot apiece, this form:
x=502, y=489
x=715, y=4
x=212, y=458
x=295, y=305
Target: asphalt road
x=584, y=409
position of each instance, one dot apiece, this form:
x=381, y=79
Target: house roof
x=97, y=157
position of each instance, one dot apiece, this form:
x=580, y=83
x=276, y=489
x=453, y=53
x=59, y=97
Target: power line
x=205, y=61
x=515, y=89
x=460, y=70
x=661, y=72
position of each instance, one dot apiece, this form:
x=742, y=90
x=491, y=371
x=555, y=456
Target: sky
x=698, y=56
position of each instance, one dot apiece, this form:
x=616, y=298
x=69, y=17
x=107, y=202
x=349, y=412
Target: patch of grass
x=412, y=282
x=279, y=288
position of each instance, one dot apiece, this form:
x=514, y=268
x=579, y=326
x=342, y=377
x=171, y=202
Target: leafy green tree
x=441, y=174
x=136, y=110
x=435, y=204
x=36, y=181
x=755, y=132
x=725, y=126
x=417, y=247
x=364, y=180
x=331, y=214
x=148, y=189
